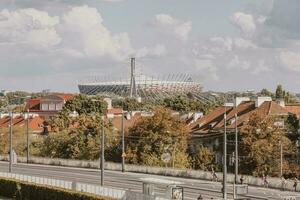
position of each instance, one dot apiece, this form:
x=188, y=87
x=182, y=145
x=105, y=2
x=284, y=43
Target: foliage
x=162, y=133
x=81, y=140
x=186, y=104
x=17, y=97
x=82, y=104
x=265, y=92
x=260, y=141
x=279, y=93
x=285, y=95
x=203, y=159
x=22, y=191
x=129, y=104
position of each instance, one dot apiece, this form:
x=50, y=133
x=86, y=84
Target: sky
x=225, y=45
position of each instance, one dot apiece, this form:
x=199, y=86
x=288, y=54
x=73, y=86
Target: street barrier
x=186, y=173
x=82, y=187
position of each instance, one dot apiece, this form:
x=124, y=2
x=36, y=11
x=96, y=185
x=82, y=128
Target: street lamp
x=224, y=157
x=102, y=154
x=123, y=139
x=10, y=140
x=27, y=133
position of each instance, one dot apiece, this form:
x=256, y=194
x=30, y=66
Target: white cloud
x=237, y=63
x=83, y=29
x=261, y=66
x=241, y=43
x=207, y=68
x=245, y=22
x=157, y=50
x=170, y=25
x=290, y=60
x=29, y=27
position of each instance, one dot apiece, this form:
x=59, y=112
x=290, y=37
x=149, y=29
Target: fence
x=82, y=187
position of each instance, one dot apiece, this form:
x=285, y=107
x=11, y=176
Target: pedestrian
x=215, y=176
x=265, y=180
x=295, y=184
x=242, y=179
x=200, y=197
x=283, y=183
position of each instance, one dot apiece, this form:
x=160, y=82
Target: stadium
x=147, y=88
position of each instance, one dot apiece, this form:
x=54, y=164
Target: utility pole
x=224, y=159
x=174, y=154
x=281, y=159
x=10, y=141
x=102, y=155
x=236, y=160
x=123, y=140
x=27, y=133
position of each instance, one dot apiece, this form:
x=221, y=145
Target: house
x=208, y=130
x=47, y=106
x=35, y=123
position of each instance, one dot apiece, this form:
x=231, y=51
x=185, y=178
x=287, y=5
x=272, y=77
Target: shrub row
x=19, y=190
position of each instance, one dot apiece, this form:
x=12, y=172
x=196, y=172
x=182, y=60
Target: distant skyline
x=226, y=45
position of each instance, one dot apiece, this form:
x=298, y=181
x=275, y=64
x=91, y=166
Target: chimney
x=239, y=100
x=261, y=100
x=280, y=102
x=197, y=115
x=109, y=104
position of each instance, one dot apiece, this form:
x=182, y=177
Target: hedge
x=28, y=191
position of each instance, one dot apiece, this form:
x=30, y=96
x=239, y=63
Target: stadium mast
x=133, y=89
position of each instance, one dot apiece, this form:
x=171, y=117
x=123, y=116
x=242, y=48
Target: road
x=128, y=180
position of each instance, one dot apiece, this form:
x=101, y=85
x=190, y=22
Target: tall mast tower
x=133, y=89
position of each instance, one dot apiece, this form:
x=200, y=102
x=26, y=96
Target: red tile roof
x=293, y=108
x=64, y=96
x=115, y=111
x=35, y=123
x=215, y=120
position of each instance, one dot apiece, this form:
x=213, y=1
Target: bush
x=28, y=191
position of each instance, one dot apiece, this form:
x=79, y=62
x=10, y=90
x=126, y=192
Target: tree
x=81, y=140
x=279, y=94
x=83, y=104
x=203, y=159
x=152, y=136
x=186, y=104
x=265, y=92
x=260, y=143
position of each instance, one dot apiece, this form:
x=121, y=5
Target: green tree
x=187, y=104
x=260, y=143
x=83, y=104
x=153, y=136
x=203, y=159
x=279, y=94
x=81, y=140
x=265, y=92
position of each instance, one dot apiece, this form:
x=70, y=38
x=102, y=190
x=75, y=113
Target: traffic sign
x=166, y=157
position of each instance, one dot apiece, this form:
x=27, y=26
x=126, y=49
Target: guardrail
x=187, y=173
x=81, y=187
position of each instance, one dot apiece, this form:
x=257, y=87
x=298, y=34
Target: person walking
x=265, y=181
x=200, y=197
x=283, y=183
x=295, y=184
x=242, y=179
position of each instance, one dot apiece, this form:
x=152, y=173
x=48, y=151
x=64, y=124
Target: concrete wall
x=185, y=173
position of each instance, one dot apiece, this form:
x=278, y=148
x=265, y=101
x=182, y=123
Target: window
x=45, y=106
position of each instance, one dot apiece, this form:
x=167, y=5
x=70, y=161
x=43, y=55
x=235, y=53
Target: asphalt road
x=128, y=180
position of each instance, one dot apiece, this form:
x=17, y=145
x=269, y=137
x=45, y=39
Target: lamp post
x=224, y=158
x=10, y=140
x=123, y=140
x=27, y=133
x=102, y=154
